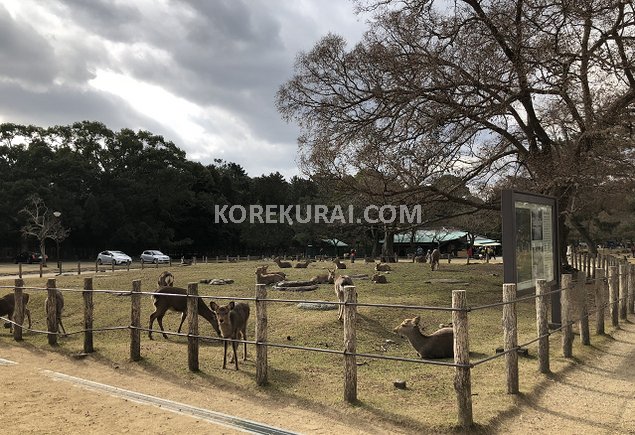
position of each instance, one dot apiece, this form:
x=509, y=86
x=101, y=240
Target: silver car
x=151, y=256
x=113, y=257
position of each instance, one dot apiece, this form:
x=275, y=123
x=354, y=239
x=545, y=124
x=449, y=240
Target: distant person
x=353, y=255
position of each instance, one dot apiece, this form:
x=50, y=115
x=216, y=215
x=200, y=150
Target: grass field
x=315, y=379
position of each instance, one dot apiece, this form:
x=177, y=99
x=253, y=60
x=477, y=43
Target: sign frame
x=534, y=245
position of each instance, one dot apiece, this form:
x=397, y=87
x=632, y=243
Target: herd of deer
x=230, y=321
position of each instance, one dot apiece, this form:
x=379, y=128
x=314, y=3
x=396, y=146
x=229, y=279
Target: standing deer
x=434, y=259
x=59, y=307
x=340, y=282
x=173, y=298
x=282, y=264
x=166, y=279
x=439, y=344
x=232, y=320
x=7, y=307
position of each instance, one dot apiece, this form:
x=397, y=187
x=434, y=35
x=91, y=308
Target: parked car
x=110, y=257
x=154, y=257
x=29, y=257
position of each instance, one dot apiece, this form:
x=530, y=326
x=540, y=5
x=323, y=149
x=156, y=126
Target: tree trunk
x=387, y=249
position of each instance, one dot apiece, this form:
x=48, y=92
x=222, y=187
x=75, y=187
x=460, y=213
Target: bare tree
x=41, y=224
x=541, y=92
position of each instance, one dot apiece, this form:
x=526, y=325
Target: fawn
x=232, y=320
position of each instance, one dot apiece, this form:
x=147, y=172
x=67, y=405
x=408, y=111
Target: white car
x=154, y=257
x=110, y=257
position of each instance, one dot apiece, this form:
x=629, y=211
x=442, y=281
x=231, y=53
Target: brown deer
x=339, y=264
x=166, y=279
x=439, y=344
x=174, y=298
x=59, y=307
x=7, y=307
x=262, y=277
x=382, y=267
x=369, y=260
x=302, y=264
x=282, y=264
x=232, y=320
x=340, y=282
x=378, y=278
x=435, y=256
x=325, y=278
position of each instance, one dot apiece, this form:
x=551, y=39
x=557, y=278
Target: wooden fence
x=615, y=293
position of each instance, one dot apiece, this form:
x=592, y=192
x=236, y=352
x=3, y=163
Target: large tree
x=482, y=90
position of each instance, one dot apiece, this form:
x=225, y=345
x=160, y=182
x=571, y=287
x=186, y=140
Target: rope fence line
x=574, y=288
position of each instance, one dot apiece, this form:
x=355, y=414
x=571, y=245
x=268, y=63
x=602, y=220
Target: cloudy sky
x=202, y=73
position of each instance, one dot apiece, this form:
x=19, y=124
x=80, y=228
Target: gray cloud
x=230, y=55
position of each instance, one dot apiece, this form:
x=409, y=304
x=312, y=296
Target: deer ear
x=416, y=320
x=213, y=305
x=231, y=305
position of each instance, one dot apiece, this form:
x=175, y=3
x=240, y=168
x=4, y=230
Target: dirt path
x=594, y=397
x=36, y=403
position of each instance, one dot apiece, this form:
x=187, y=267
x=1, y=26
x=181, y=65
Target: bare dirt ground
x=594, y=396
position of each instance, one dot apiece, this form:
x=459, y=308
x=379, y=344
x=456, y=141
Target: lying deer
x=232, y=320
x=263, y=270
x=340, y=282
x=262, y=277
x=439, y=344
x=166, y=279
x=382, y=267
x=325, y=278
x=339, y=264
x=378, y=278
x=282, y=264
x=302, y=264
x=434, y=259
x=174, y=299
x=59, y=307
x=7, y=307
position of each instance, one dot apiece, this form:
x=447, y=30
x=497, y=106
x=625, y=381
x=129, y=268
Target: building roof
x=430, y=236
x=335, y=242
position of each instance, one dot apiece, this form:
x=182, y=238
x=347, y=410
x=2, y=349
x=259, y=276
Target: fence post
x=18, y=311
x=135, y=321
x=510, y=336
x=192, y=337
x=631, y=291
x=566, y=310
x=542, y=325
x=41, y=267
x=112, y=266
x=613, y=292
x=583, y=309
x=87, y=294
x=79, y=268
x=51, y=311
x=462, y=374
x=624, y=272
x=600, y=291
x=261, y=335
x=19, y=270
x=96, y=267
x=350, y=344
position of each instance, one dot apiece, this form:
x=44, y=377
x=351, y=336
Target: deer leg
x=59, y=321
x=234, y=347
x=183, y=316
x=225, y=354
x=160, y=322
x=244, y=334
x=152, y=317
x=28, y=315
